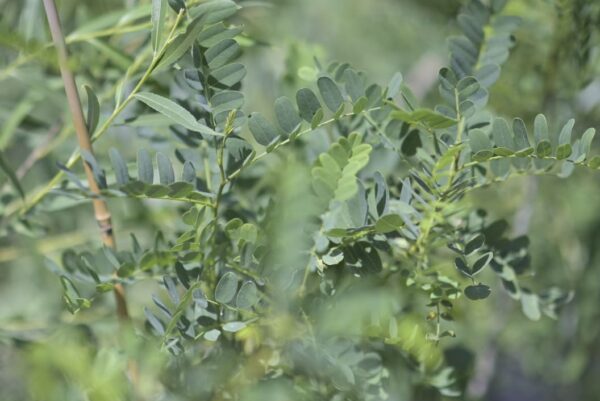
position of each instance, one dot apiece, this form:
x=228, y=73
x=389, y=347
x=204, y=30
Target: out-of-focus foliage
x=291, y=227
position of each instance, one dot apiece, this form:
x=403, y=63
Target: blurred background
x=554, y=69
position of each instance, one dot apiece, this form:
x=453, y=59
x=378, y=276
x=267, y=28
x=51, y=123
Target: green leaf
x=247, y=297
x=474, y=244
x=159, y=13
x=394, y=85
x=530, y=305
x=119, y=166
x=181, y=44
x=177, y=5
x=189, y=172
x=354, y=85
x=332, y=97
x=317, y=118
x=521, y=136
x=481, y=263
x=334, y=174
x=214, y=10
x=93, y=110
x=233, y=327
x=212, y=335
x=158, y=326
x=565, y=133
x=594, y=162
x=216, y=33
x=287, y=115
x=145, y=168
x=564, y=151
x=226, y=101
x=479, y=141
x=477, y=292
x=222, y=53
x=11, y=176
x=262, y=130
x=487, y=75
x=175, y=112
x=229, y=75
x=165, y=169
x=226, y=288
x=308, y=104
x=467, y=87
x=586, y=141
x=543, y=148
x=540, y=128
x=462, y=266
x=388, y=223
x=502, y=135
x=426, y=117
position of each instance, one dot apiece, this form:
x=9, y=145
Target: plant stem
x=101, y=212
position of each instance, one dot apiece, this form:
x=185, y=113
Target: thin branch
x=101, y=211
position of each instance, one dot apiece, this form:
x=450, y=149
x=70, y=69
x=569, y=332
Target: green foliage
x=316, y=251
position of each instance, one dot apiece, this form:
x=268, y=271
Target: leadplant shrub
x=321, y=250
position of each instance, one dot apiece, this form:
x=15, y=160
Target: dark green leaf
x=222, y=53
x=262, y=130
x=119, y=166
x=11, y=176
x=477, y=292
x=287, y=115
x=189, y=172
x=474, y=244
x=230, y=74
x=93, y=110
x=226, y=101
x=308, y=104
x=481, y=263
x=158, y=326
x=145, y=168
x=330, y=93
x=165, y=169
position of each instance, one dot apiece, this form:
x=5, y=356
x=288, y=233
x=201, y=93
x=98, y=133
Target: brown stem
x=101, y=211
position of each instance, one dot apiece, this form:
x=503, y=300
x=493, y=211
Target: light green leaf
x=247, y=297
x=388, y=223
x=159, y=13
x=531, y=306
x=226, y=288
x=233, y=327
x=175, y=112
x=181, y=44
x=426, y=117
